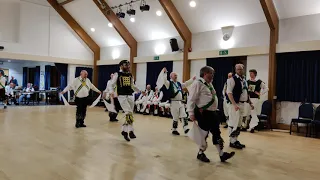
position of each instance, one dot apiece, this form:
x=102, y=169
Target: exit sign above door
x=156, y=58
x=223, y=52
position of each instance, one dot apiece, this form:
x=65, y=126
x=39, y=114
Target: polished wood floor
x=41, y=143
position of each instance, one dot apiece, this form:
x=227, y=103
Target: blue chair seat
x=262, y=117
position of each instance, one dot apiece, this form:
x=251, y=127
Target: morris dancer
x=177, y=107
x=124, y=84
x=3, y=81
x=202, y=107
x=81, y=85
x=113, y=99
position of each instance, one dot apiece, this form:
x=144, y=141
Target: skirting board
x=27, y=57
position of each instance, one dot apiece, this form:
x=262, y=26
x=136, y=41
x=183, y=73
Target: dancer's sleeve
x=160, y=96
x=188, y=83
x=134, y=86
x=94, y=88
x=193, y=97
x=264, y=88
x=112, y=83
x=70, y=86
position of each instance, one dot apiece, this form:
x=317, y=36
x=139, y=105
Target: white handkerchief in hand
x=64, y=100
x=110, y=107
x=198, y=136
x=95, y=102
x=160, y=80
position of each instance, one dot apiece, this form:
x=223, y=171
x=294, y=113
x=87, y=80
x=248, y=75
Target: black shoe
x=236, y=145
x=175, y=133
x=125, y=135
x=82, y=125
x=77, y=124
x=226, y=156
x=131, y=135
x=114, y=120
x=5, y=107
x=226, y=126
x=243, y=146
x=252, y=130
x=202, y=157
x=243, y=129
x=186, y=131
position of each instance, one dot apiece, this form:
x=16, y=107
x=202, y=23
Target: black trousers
x=112, y=115
x=2, y=94
x=209, y=121
x=81, y=113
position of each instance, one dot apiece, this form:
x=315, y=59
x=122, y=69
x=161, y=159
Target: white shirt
x=159, y=98
x=3, y=82
x=84, y=91
x=175, y=86
x=231, y=84
x=29, y=89
x=113, y=83
x=107, y=90
x=9, y=91
x=200, y=95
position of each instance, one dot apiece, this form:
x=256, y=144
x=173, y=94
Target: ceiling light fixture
x=193, y=4
x=159, y=13
x=93, y=29
x=132, y=19
x=130, y=10
x=144, y=6
x=110, y=25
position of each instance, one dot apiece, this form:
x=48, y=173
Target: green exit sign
x=223, y=52
x=156, y=58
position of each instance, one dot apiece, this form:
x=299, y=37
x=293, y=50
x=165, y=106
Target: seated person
x=164, y=107
x=26, y=93
x=140, y=101
x=9, y=94
x=148, y=101
x=157, y=97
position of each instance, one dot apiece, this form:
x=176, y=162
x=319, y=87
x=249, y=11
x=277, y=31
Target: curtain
x=298, y=76
x=36, y=79
x=89, y=70
x=47, y=77
x=63, y=69
x=25, y=77
x=153, y=70
x=222, y=66
x=104, y=75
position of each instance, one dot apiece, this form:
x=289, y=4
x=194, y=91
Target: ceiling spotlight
x=159, y=13
x=120, y=14
x=193, y=4
x=144, y=6
x=132, y=19
x=110, y=25
x=131, y=11
x=93, y=29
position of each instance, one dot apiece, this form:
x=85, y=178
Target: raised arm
x=69, y=87
x=162, y=79
x=160, y=96
x=112, y=83
x=188, y=83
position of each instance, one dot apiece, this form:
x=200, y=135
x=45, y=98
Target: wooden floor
x=41, y=143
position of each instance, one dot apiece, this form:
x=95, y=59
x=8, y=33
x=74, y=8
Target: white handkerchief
x=64, y=100
x=198, y=136
x=95, y=102
x=160, y=80
x=110, y=107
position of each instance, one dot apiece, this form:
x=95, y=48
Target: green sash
x=83, y=83
x=2, y=85
x=213, y=98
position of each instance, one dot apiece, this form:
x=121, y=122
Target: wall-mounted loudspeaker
x=174, y=44
x=1, y=48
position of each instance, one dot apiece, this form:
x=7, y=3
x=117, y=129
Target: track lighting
x=144, y=6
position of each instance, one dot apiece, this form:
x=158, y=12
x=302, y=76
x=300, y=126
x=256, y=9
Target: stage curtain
x=47, y=77
x=63, y=69
x=36, y=79
x=104, y=75
x=298, y=76
x=222, y=66
x=89, y=70
x=25, y=77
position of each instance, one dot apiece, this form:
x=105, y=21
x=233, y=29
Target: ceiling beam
x=273, y=21
x=184, y=32
x=121, y=29
x=81, y=33
x=65, y=2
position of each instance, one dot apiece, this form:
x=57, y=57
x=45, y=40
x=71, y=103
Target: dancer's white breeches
x=177, y=110
x=127, y=103
x=164, y=105
x=235, y=117
x=254, y=112
x=225, y=107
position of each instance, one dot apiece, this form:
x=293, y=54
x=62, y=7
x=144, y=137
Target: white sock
x=233, y=139
x=200, y=151
x=219, y=150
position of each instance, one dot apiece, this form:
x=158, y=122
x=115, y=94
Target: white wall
x=9, y=20
x=304, y=28
x=107, y=52
x=196, y=65
x=42, y=32
x=72, y=71
x=243, y=36
x=147, y=48
x=141, y=75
